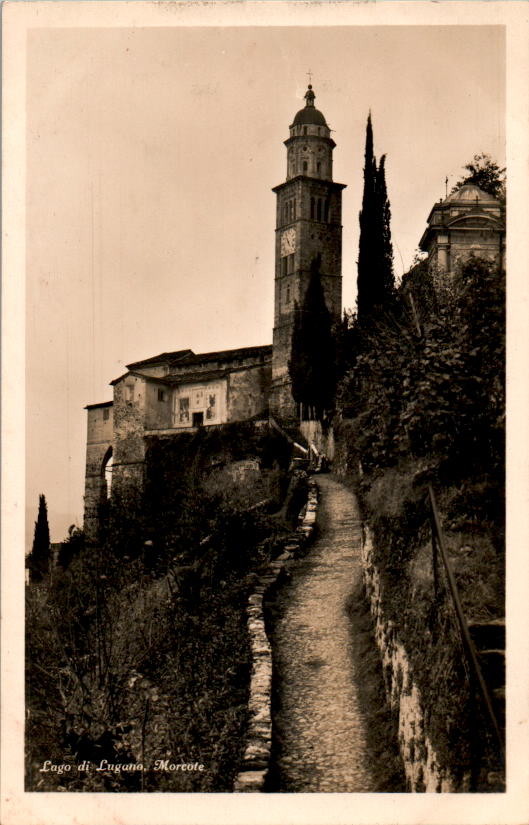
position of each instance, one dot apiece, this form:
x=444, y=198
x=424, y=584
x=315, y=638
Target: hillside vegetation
x=423, y=402
x=139, y=652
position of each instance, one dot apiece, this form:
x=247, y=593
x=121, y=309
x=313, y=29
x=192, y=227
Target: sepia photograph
x=259, y=411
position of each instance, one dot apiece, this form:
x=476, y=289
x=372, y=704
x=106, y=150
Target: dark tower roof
x=309, y=115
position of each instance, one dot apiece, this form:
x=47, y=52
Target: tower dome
x=309, y=114
x=470, y=192
x=310, y=144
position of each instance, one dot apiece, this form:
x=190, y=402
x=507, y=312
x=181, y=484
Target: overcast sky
x=151, y=154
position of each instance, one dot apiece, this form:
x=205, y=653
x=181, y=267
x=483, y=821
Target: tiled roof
x=192, y=377
x=163, y=358
x=225, y=355
x=185, y=357
x=135, y=373
x=101, y=405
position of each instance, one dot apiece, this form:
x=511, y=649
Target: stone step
x=498, y=704
x=488, y=635
x=249, y=781
x=492, y=664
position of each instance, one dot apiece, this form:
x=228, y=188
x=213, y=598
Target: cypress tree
x=297, y=367
x=365, y=281
x=312, y=364
x=387, y=279
x=39, y=558
x=375, y=255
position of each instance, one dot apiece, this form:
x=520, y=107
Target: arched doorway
x=106, y=474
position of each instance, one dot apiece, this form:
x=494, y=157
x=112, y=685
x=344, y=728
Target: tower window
x=290, y=269
x=284, y=266
x=161, y=395
x=304, y=130
x=285, y=212
x=326, y=212
x=305, y=166
x=106, y=414
x=312, y=208
x=318, y=168
x=288, y=295
x=318, y=210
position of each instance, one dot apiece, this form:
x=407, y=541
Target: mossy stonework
x=422, y=765
x=256, y=762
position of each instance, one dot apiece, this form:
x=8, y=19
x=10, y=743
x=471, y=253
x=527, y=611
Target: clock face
x=288, y=241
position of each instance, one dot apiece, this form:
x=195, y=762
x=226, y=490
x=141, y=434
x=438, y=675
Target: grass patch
x=381, y=727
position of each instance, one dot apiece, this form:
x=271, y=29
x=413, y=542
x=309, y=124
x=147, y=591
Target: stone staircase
x=489, y=640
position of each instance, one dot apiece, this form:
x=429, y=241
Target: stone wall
x=158, y=406
x=252, y=775
x=421, y=765
x=98, y=449
x=130, y=402
x=248, y=392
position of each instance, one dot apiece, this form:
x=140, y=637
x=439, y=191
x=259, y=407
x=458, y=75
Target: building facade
x=172, y=393
x=469, y=222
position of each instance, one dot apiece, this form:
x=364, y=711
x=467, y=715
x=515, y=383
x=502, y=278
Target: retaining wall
x=421, y=765
x=251, y=777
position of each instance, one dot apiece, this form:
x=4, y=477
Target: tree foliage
x=485, y=173
x=138, y=649
x=71, y=547
x=375, y=254
x=39, y=557
x=385, y=250
x=438, y=397
x=312, y=362
x=425, y=404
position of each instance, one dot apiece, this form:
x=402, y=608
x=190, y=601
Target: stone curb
x=251, y=777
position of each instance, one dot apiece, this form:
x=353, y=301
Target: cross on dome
x=309, y=96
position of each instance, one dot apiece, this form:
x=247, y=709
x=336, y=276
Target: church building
x=469, y=222
x=180, y=391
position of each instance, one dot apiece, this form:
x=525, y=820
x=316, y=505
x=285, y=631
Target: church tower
x=308, y=223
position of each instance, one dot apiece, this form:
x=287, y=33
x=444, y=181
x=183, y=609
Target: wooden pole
x=468, y=643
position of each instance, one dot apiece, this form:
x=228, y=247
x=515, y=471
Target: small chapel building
x=469, y=222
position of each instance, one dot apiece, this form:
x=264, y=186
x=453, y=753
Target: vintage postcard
x=265, y=452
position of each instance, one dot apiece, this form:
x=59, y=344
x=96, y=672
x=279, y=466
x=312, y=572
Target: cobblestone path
x=318, y=727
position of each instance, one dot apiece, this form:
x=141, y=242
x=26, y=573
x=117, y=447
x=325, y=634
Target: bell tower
x=308, y=223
